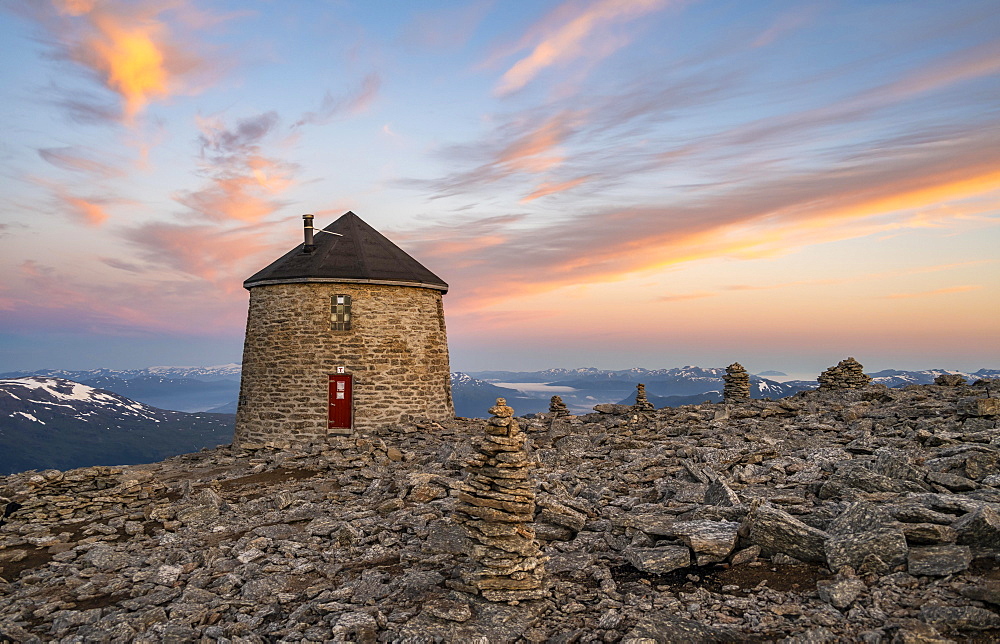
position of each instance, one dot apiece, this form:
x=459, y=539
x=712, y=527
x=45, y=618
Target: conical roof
x=355, y=252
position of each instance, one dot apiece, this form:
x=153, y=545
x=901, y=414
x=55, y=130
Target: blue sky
x=602, y=182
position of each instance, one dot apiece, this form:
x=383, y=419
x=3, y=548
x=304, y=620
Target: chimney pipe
x=307, y=224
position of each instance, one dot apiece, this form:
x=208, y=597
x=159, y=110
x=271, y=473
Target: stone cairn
x=557, y=407
x=848, y=374
x=641, y=402
x=737, y=384
x=496, y=504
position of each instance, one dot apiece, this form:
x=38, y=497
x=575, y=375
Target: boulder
x=886, y=544
x=777, y=531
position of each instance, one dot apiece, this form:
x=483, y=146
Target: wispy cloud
x=683, y=297
x=243, y=181
x=522, y=146
x=221, y=256
x=785, y=23
x=353, y=103
x=549, y=188
x=151, y=304
x=447, y=29
x=773, y=215
x=69, y=158
x=571, y=31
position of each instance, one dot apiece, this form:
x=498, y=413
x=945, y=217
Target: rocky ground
x=868, y=515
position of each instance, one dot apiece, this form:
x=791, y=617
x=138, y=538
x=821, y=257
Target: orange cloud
x=772, y=217
x=548, y=188
x=533, y=151
x=130, y=46
x=243, y=182
x=574, y=36
x=91, y=211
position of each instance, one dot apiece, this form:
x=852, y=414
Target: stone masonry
x=557, y=407
x=496, y=504
x=737, y=384
x=848, y=374
x=396, y=350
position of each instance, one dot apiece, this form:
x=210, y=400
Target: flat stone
x=841, y=591
x=611, y=408
x=980, y=528
x=658, y=560
x=887, y=544
x=953, y=482
x=929, y=533
x=960, y=617
x=859, y=517
x=938, y=561
x=979, y=406
x=712, y=539
x=987, y=590
x=450, y=610
x=777, y=531
x=666, y=626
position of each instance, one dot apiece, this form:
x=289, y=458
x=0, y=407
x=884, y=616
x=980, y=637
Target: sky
x=606, y=183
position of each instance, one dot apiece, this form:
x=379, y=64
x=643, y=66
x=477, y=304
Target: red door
x=341, y=410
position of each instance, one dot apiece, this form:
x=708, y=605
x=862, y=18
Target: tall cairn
x=848, y=374
x=641, y=402
x=737, y=384
x=496, y=504
x=557, y=407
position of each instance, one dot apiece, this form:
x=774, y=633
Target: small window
x=340, y=314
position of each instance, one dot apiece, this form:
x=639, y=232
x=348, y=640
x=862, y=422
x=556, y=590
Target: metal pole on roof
x=307, y=224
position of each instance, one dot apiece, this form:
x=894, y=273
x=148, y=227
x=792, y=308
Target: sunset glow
x=608, y=183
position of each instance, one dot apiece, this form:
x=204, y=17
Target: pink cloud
x=244, y=183
x=223, y=257
x=569, y=33
x=549, y=188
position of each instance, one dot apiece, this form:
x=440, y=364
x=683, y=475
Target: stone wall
x=397, y=351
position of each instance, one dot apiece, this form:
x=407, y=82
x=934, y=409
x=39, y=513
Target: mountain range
x=63, y=419
x=190, y=389
x=57, y=423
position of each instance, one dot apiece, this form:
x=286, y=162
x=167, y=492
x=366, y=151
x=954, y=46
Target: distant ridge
x=57, y=423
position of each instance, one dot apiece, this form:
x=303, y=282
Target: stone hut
x=344, y=332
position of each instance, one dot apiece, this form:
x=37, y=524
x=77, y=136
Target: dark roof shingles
x=357, y=253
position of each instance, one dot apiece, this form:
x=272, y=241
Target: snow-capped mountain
x=218, y=372
x=187, y=389
x=897, y=378
x=43, y=400
x=50, y=422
